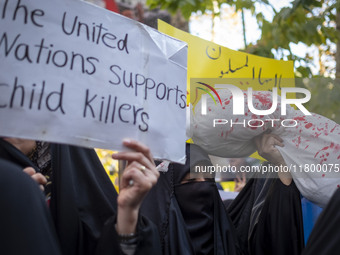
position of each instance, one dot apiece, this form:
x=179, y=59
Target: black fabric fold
x=240, y=211
x=83, y=198
x=197, y=205
x=176, y=238
x=268, y=217
x=279, y=229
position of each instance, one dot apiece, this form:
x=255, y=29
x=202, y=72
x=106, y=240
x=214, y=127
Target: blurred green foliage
x=325, y=95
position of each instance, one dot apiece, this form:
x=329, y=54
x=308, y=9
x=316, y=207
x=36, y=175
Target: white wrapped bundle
x=313, y=144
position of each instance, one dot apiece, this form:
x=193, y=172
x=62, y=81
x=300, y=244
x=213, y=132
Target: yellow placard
x=210, y=60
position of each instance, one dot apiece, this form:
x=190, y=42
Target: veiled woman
x=189, y=213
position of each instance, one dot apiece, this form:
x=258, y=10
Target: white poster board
x=75, y=73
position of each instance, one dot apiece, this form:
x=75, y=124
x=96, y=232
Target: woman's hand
x=37, y=177
x=139, y=176
x=265, y=145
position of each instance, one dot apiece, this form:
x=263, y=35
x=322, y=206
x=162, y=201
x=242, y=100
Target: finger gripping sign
x=75, y=73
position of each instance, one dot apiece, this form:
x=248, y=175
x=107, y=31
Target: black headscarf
x=83, y=202
x=190, y=216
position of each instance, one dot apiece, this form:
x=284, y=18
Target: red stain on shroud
x=333, y=129
x=323, y=149
x=309, y=125
x=317, y=134
x=264, y=99
x=298, y=142
x=337, y=148
x=323, y=160
x=300, y=118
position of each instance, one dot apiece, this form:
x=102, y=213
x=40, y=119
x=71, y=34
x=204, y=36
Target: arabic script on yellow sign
x=210, y=60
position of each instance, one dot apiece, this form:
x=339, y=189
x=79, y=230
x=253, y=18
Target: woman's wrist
x=126, y=221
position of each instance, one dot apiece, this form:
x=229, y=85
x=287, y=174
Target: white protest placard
x=75, y=73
